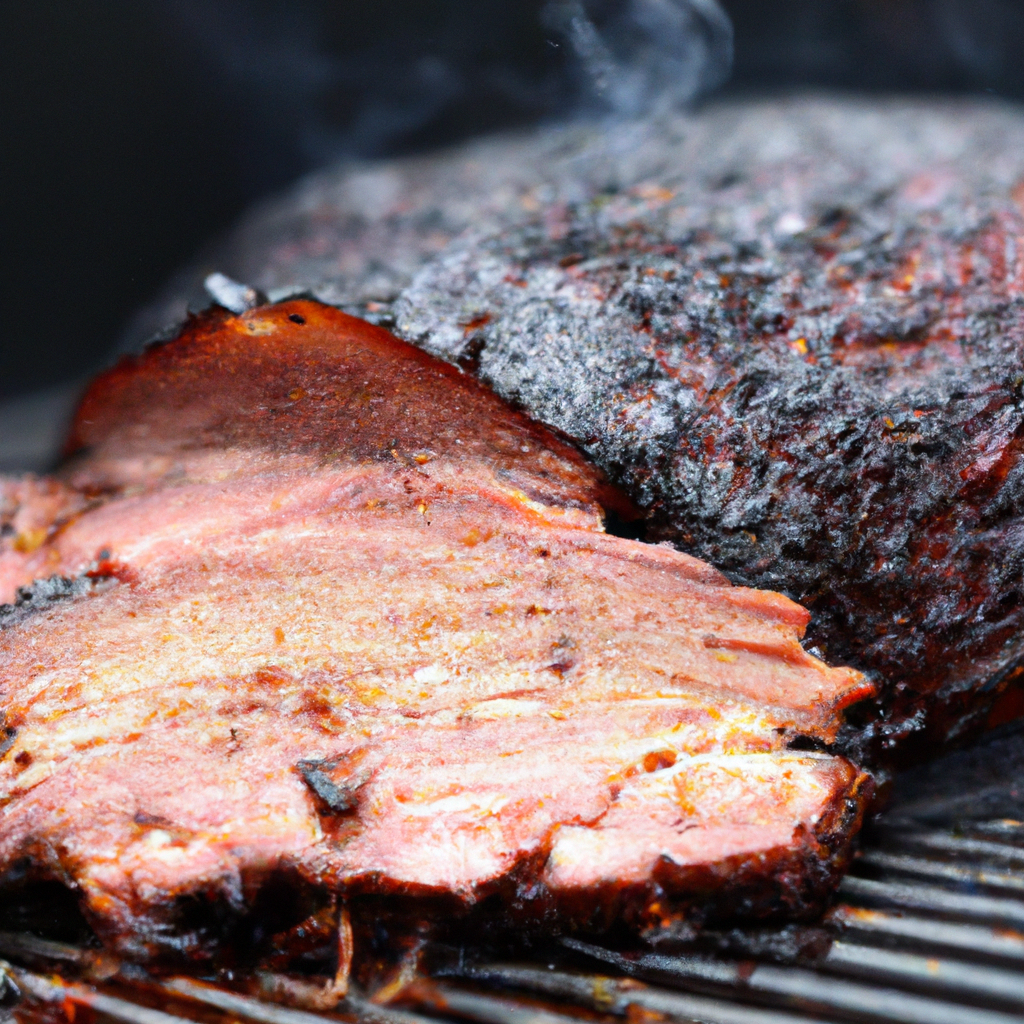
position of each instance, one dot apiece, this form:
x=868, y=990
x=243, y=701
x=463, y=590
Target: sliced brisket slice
x=352, y=620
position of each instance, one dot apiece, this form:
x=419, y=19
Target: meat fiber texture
x=791, y=330
x=306, y=603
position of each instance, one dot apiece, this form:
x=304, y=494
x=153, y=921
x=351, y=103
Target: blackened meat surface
x=356, y=640
x=791, y=330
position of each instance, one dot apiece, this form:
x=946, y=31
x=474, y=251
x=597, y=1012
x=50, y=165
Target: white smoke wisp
x=644, y=56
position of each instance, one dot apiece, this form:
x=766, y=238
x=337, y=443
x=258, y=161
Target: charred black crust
x=338, y=796
x=43, y=594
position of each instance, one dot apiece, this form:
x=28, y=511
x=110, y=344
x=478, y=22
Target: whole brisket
x=309, y=610
x=790, y=330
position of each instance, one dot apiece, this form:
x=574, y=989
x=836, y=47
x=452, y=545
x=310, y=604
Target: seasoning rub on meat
x=305, y=601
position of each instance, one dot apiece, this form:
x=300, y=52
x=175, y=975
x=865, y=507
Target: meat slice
x=330, y=610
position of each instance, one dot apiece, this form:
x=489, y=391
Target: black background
x=131, y=131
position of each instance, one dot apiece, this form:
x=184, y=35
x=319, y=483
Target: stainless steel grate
x=928, y=929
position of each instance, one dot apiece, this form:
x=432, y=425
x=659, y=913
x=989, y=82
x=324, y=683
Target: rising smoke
x=332, y=80
x=643, y=55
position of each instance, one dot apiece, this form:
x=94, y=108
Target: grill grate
x=928, y=929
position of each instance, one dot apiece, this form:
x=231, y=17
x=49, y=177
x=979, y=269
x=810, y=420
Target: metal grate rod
x=622, y=998
x=941, y=870
x=232, y=1002
x=47, y=990
x=946, y=842
x=490, y=1009
x=975, y=940
x=802, y=988
x=905, y=895
x=908, y=968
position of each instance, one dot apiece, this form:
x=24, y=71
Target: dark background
x=131, y=131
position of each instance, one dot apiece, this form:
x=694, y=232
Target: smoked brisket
x=306, y=607
x=790, y=330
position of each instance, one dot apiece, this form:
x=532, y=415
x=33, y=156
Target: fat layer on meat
x=305, y=600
